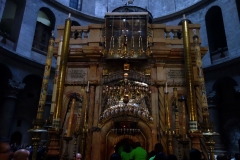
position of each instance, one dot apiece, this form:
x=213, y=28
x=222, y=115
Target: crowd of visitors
x=18, y=152
x=125, y=152
x=136, y=152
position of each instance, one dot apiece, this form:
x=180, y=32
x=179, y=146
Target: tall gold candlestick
x=201, y=81
x=62, y=74
x=207, y=126
x=45, y=80
x=69, y=127
x=53, y=104
x=189, y=77
x=85, y=127
x=38, y=124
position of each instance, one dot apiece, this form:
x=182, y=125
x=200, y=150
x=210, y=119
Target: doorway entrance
x=124, y=142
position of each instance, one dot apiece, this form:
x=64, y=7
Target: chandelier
x=126, y=97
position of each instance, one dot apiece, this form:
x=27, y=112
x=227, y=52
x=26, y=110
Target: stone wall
x=158, y=8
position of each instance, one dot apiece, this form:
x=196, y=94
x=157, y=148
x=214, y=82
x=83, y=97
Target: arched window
x=73, y=4
x=75, y=23
x=11, y=21
x=44, y=27
x=238, y=8
x=216, y=34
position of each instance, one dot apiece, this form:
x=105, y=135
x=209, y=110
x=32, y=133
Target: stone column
x=8, y=107
x=96, y=131
x=162, y=126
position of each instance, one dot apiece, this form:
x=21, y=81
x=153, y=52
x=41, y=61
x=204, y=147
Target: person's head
x=5, y=149
x=115, y=156
x=78, y=156
x=137, y=144
x=127, y=148
x=171, y=157
x=195, y=154
x=21, y=154
x=158, y=148
x=237, y=156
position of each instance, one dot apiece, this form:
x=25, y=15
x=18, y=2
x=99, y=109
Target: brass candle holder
x=178, y=137
x=170, y=133
x=67, y=140
x=208, y=134
x=76, y=134
x=53, y=149
x=184, y=142
x=36, y=138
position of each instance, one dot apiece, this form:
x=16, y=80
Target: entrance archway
x=111, y=139
x=16, y=138
x=115, y=140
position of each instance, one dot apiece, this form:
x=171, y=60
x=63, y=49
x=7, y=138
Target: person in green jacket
x=125, y=154
x=138, y=153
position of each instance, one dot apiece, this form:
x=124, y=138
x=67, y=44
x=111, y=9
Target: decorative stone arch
x=109, y=138
x=16, y=138
x=66, y=102
x=75, y=23
x=47, y=17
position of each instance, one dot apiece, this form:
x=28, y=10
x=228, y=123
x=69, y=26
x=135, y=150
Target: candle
x=183, y=119
x=70, y=120
x=184, y=17
x=69, y=15
x=56, y=76
x=166, y=90
x=168, y=121
x=175, y=93
x=88, y=86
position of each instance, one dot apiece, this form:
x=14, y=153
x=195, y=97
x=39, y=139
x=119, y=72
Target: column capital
x=13, y=88
x=16, y=85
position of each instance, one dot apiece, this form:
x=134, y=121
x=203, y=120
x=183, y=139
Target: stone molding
x=14, y=88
